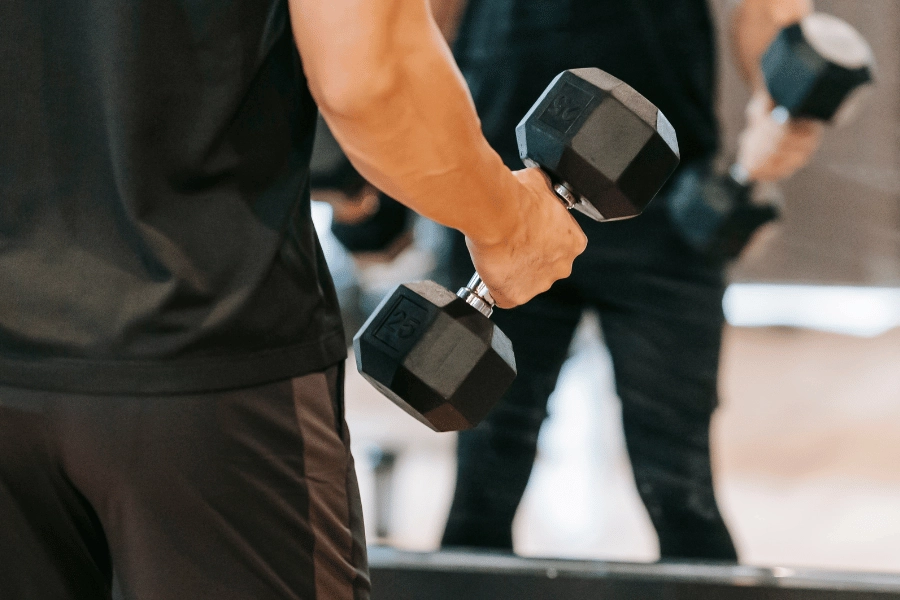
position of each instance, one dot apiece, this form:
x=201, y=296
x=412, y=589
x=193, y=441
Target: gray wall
x=841, y=222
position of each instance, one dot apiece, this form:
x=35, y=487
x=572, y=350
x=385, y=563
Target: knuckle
x=563, y=271
x=502, y=300
x=520, y=299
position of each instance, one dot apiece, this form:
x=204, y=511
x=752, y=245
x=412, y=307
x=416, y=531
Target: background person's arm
x=388, y=88
x=769, y=150
x=755, y=23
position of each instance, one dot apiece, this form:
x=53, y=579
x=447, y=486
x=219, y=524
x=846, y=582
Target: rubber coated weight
x=715, y=214
x=599, y=137
x=435, y=356
x=811, y=68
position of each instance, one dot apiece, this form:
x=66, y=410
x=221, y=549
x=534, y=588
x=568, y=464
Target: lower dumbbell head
x=606, y=147
x=715, y=215
x=436, y=354
x=818, y=68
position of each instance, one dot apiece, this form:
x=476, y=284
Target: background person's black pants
x=660, y=308
x=221, y=496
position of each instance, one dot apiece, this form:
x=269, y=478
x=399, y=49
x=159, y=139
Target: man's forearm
x=755, y=23
x=396, y=102
x=448, y=14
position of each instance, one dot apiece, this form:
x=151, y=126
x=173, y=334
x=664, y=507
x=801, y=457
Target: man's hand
x=538, y=250
x=770, y=149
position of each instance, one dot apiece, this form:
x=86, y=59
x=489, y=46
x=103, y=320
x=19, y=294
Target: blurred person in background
x=171, y=353
x=659, y=300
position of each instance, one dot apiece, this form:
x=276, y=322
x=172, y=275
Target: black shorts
x=245, y=494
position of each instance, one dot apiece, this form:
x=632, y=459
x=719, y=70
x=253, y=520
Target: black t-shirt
x=155, y=230
x=510, y=50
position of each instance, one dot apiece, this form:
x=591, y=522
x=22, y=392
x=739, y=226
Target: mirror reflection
x=779, y=231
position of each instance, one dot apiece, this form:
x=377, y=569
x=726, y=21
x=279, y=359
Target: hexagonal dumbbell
x=437, y=355
x=814, y=68
x=819, y=69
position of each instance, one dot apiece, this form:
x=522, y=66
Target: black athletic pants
x=246, y=494
x=660, y=308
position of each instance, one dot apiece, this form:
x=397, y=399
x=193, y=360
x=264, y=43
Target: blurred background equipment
x=371, y=241
x=398, y=575
x=841, y=218
x=812, y=70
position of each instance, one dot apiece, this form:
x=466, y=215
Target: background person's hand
x=770, y=150
x=537, y=251
x=350, y=209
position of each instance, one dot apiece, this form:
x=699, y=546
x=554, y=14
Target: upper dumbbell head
x=814, y=66
x=610, y=147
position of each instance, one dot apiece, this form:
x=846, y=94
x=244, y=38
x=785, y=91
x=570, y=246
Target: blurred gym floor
x=806, y=448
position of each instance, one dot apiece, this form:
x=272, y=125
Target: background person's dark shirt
x=510, y=50
x=155, y=233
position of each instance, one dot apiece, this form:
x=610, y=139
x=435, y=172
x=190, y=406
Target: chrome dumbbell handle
x=477, y=295
x=566, y=195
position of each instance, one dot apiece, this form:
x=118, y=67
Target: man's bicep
x=346, y=43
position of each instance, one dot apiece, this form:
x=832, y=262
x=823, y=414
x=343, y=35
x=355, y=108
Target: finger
x=581, y=240
x=805, y=147
x=563, y=271
x=805, y=126
x=533, y=176
x=792, y=153
x=505, y=301
x=538, y=172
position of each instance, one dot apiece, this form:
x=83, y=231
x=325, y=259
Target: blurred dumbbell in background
x=817, y=69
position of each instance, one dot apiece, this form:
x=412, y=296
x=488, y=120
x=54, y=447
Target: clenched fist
x=538, y=250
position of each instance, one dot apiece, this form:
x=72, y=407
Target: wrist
x=497, y=217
